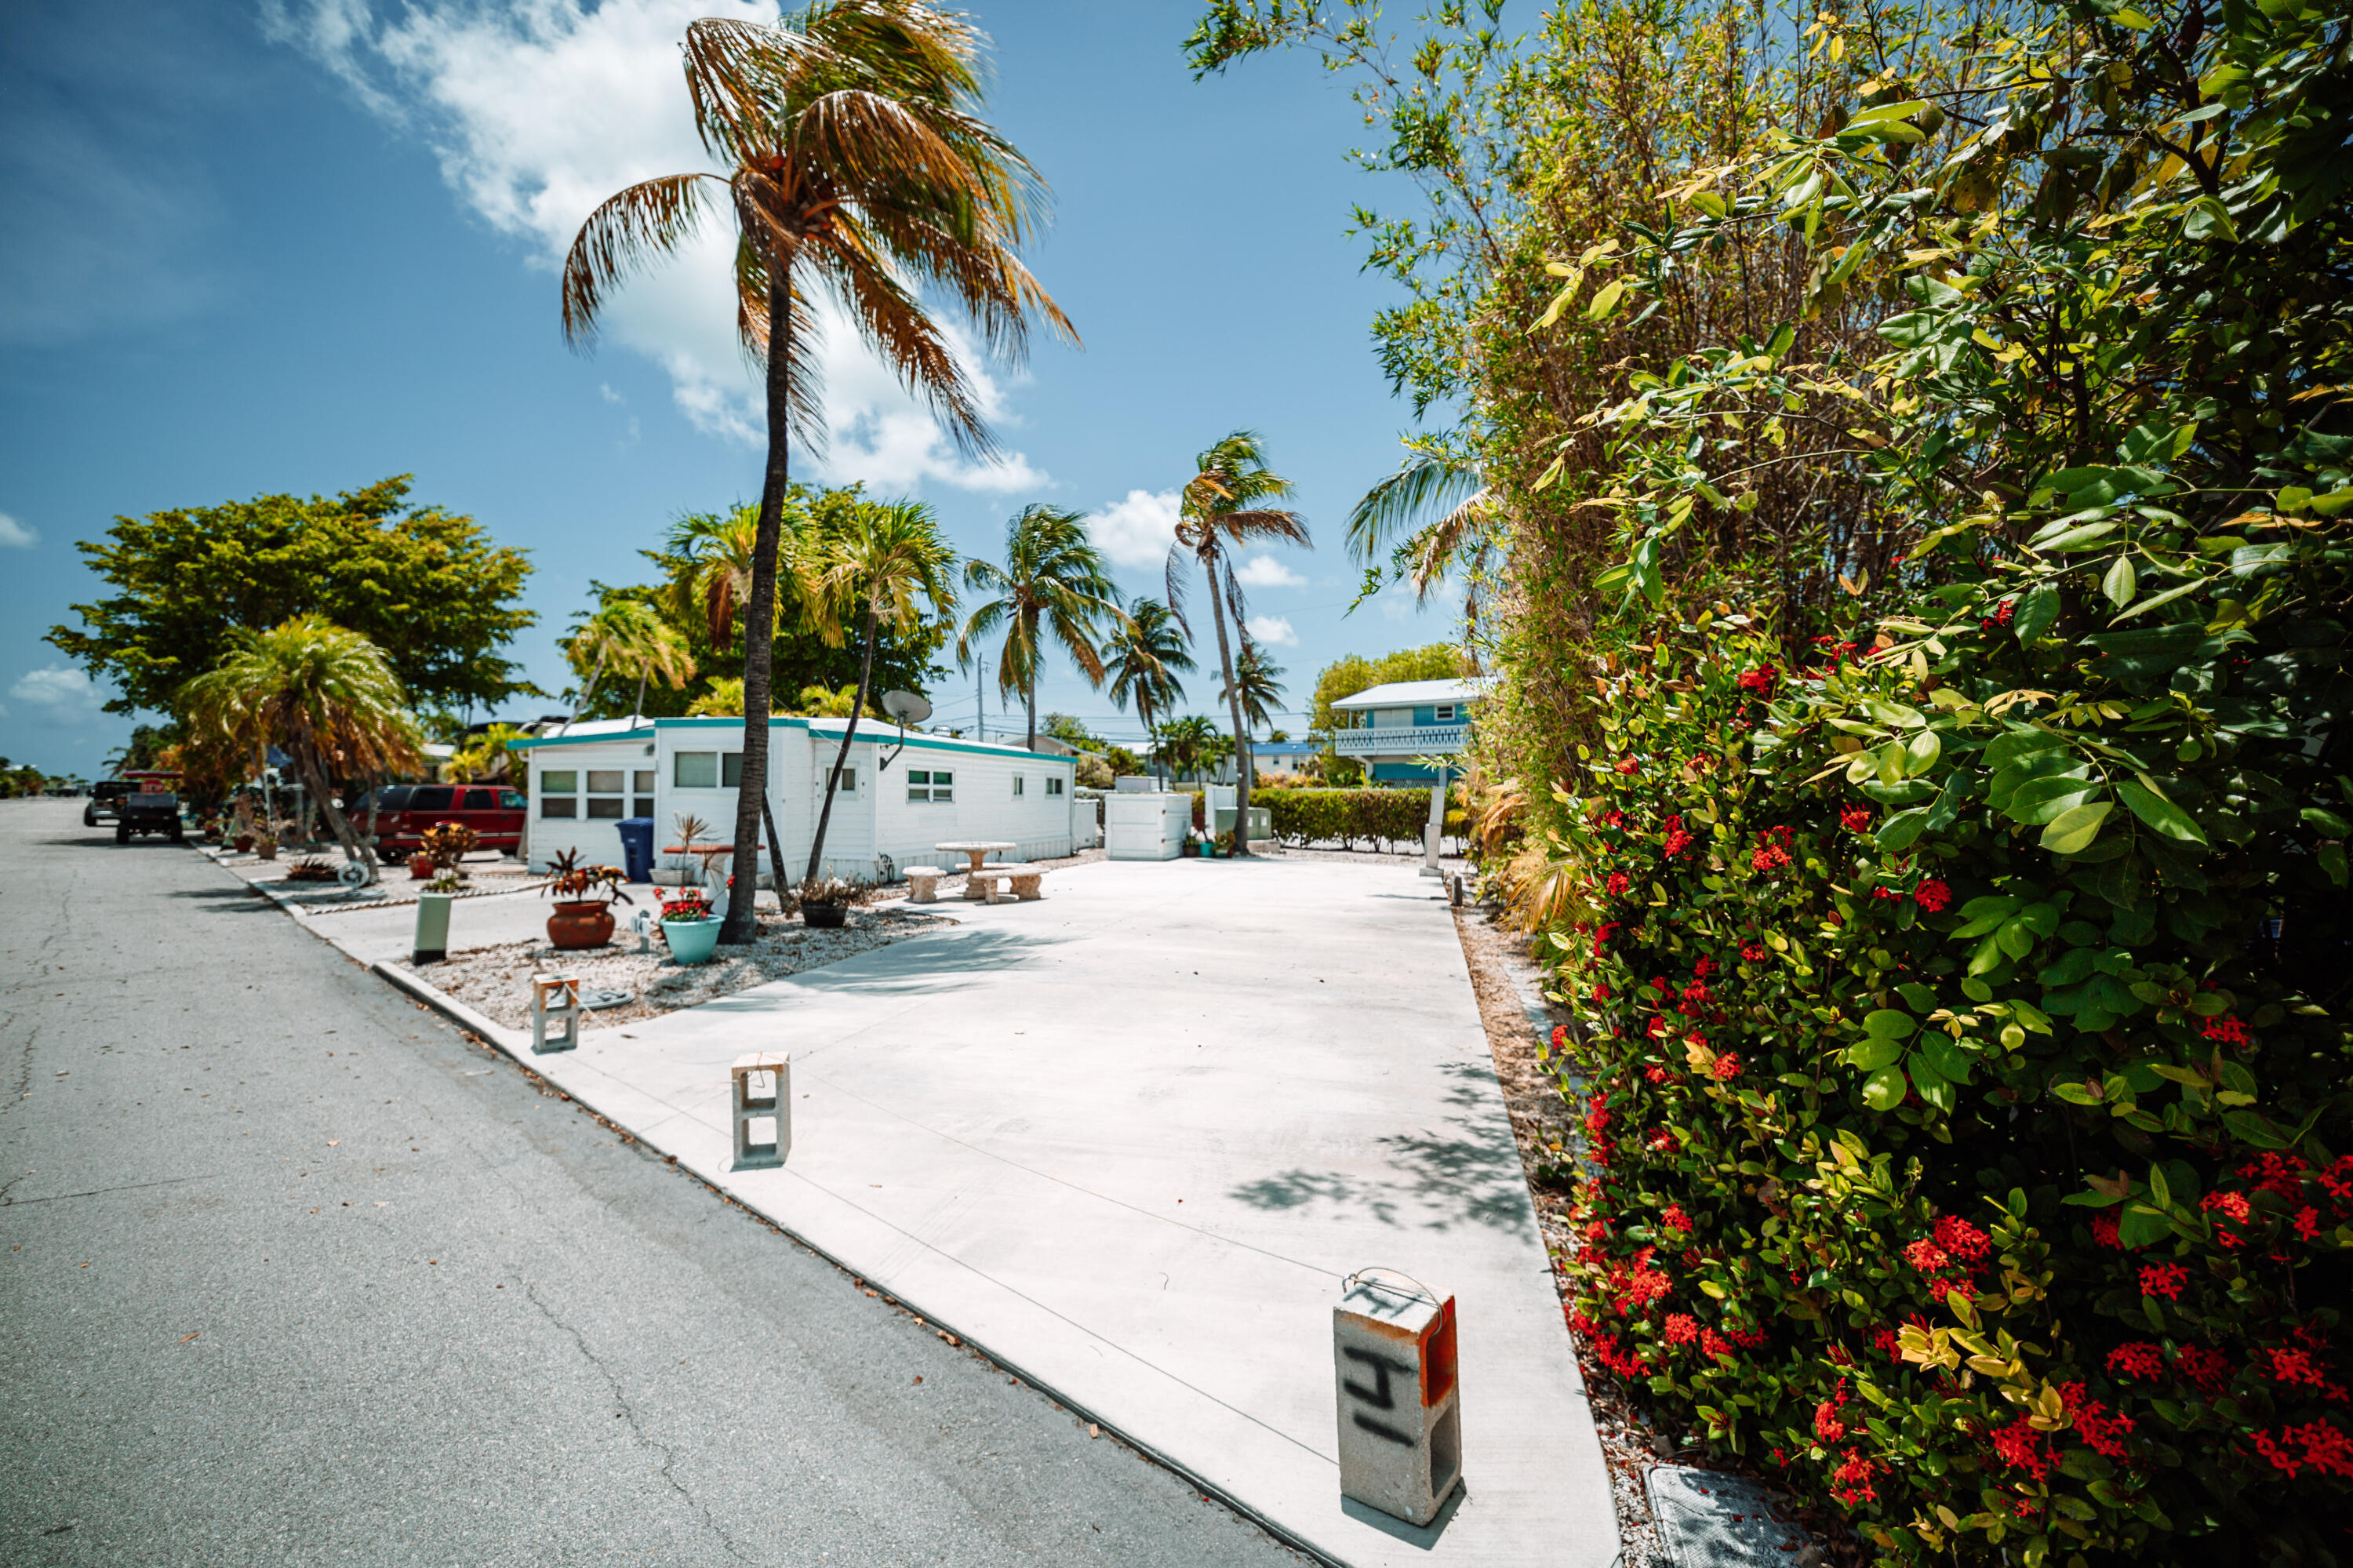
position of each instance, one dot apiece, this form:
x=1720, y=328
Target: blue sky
x=302, y=245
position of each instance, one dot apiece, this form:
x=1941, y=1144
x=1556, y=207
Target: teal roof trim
x=526, y=742
x=880, y=734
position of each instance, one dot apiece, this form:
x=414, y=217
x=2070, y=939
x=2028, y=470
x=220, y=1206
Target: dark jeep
x=105, y=796
x=147, y=811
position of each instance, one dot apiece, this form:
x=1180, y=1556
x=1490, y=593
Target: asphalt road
x=292, y=1272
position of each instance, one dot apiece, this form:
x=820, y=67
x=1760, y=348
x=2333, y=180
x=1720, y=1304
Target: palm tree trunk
x=1033, y=742
x=314, y=785
x=1233, y=706
x=833, y=779
x=596, y=675
x=743, y=923
x=638, y=703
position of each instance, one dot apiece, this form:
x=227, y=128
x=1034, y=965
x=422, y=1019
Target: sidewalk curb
x=515, y=1044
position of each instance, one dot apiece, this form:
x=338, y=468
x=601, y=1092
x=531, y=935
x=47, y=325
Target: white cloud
x=1265, y=571
x=1137, y=532
x=1274, y=630
x=540, y=109
x=16, y=535
x=58, y=691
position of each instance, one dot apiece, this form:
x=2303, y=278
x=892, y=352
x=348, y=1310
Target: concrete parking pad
x=1130, y=1139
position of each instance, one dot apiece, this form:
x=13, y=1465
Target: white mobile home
x=894, y=804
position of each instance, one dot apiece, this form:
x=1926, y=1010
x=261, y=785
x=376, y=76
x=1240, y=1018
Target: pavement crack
x=629, y=1415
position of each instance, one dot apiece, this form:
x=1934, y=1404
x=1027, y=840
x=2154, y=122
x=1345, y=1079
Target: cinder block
x=554, y=999
x=1394, y=1365
x=751, y=1105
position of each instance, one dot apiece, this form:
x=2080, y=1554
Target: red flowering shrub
x=2041, y=1245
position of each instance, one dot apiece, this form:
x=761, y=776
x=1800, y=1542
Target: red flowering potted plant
x=688, y=924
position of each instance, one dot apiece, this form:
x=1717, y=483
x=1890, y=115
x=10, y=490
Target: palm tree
x=626, y=636
x=1221, y=513
x=1053, y=582
x=1433, y=512
x=1189, y=745
x=1147, y=648
x=325, y=697
x=855, y=161
x=1260, y=679
x=873, y=569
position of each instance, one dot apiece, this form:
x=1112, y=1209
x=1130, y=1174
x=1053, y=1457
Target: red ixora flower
x=1728, y=1067
x=1681, y=1328
x=1827, y=1425
x=1761, y=680
x=1932, y=895
x=1855, y=819
x=1925, y=1256
x=1712, y=1343
x=1666, y=1142
x=1614, y=819
x=1962, y=1239
x=1657, y=1074
x=2325, y=1449
x=1675, y=1219
x=2103, y=1231
x=1852, y=1479
x=1629, y=766
x=1559, y=1035
x=2138, y=1359
x=2227, y=1029
x=1617, y=883
x=1678, y=840
x=2103, y=1430
x=2206, y=1368
x=2295, y=1366
x=2022, y=1447
x=2164, y=1279
x=1755, y=952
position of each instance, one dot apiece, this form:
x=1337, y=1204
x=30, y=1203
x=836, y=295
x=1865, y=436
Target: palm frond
x=626, y=230
x=1427, y=481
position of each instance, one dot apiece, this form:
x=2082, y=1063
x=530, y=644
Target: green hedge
x=1387, y=816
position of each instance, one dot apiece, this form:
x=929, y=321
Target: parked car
x=148, y=811
x=403, y=812
x=103, y=795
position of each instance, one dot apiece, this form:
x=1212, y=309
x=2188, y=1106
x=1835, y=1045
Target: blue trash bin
x=638, y=847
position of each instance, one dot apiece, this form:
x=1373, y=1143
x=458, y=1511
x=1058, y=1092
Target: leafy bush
x=1311, y=816
x=1975, y=1175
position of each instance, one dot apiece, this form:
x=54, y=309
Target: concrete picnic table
x=978, y=849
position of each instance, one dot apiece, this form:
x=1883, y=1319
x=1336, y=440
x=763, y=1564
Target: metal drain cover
x=594, y=999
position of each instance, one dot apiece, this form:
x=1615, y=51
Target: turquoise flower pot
x=692, y=941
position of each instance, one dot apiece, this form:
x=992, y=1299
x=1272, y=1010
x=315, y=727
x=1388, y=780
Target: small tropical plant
x=447, y=845
x=575, y=883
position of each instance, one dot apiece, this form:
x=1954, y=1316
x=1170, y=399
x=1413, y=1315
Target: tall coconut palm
x=873, y=571
x=626, y=637
x=1223, y=511
x=1260, y=679
x=855, y=161
x=1054, y=585
x=1147, y=648
x=325, y=696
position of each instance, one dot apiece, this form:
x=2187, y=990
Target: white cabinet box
x=1145, y=826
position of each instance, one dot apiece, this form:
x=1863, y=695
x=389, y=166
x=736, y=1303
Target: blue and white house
x=1389, y=727
x=892, y=806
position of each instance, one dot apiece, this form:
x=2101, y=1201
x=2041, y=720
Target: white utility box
x=1393, y=1356
x=1140, y=825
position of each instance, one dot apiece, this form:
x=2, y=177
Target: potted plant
x=688, y=926
x=447, y=845
x=825, y=902
x=266, y=846
x=583, y=897
x=421, y=866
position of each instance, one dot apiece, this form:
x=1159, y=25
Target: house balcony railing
x=1402, y=740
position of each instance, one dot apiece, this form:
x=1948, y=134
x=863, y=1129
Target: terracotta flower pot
x=244, y=842
x=585, y=924
x=420, y=866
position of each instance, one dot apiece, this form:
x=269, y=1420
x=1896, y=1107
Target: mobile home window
x=605, y=794
x=707, y=769
x=555, y=794
x=1053, y=786
x=641, y=793
x=1445, y=714
x=1018, y=783
x=934, y=787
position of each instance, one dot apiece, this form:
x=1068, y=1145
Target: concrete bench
x=1021, y=881
x=923, y=884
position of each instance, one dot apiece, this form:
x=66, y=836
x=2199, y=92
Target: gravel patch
x=496, y=981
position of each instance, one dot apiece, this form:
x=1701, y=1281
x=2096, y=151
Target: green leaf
x=1887, y=1024
x=1948, y=1057
x=1921, y=998
x=1884, y=1089
x=2151, y=807
x=2074, y=829
x=2140, y=1225
x=1873, y=1053
x=1605, y=302
x=2121, y=583
x=2038, y=608
x=2007, y=748
x=1920, y=753
x=1900, y=831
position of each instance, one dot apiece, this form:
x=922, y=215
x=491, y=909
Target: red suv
x=403, y=812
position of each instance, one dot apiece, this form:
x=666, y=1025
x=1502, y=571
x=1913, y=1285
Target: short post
x=776, y=1107
x=642, y=922
x=1394, y=1362
x=432, y=943
x=554, y=999
x=1434, y=834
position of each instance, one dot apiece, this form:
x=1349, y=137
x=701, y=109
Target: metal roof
x=1413, y=693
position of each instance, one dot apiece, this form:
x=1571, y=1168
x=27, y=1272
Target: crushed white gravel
x=496, y=981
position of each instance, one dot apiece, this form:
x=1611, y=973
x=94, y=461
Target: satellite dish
x=907, y=707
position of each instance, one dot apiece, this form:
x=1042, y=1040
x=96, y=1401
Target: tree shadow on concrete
x=1466, y=1172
